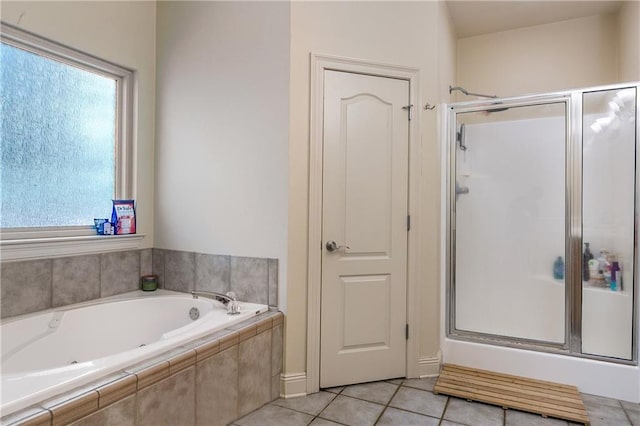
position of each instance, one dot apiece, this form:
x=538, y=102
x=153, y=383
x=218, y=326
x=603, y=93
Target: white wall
x=416, y=34
x=630, y=41
x=122, y=33
x=222, y=128
x=544, y=58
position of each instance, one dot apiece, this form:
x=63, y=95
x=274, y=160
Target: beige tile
x=254, y=373
x=606, y=413
x=217, y=389
x=153, y=374
x=157, y=264
x=519, y=418
x=168, y=402
x=336, y=389
x=380, y=392
x=26, y=287
x=122, y=413
x=424, y=384
x=419, y=401
x=34, y=416
x=229, y=340
x=275, y=387
x=278, y=319
x=597, y=401
x=461, y=411
x=273, y=282
x=207, y=350
x=181, y=361
x=74, y=409
x=263, y=324
x=146, y=262
x=212, y=273
x=179, y=270
x=351, y=411
x=119, y=272
x=250, y=279
x=630, y=406
x=311, y=404
x=75, y=279
x=395, y=417
x=117, y=390
x=276, y=350
x=246, y=332
x=322, y=422
x=272, y=415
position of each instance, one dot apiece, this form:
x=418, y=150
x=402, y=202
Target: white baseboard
x=293, y=385
x=429, y=366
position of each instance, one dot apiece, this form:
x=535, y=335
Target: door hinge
x=410, y=109
x=406, y=331
x=408, y=222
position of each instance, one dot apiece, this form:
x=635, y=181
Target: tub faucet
x=228, y=300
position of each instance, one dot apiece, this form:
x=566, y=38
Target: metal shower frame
x=573, y=102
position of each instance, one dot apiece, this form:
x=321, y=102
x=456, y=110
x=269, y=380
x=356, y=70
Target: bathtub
x=54, y=351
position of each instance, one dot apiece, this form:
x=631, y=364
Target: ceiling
x=475, y=17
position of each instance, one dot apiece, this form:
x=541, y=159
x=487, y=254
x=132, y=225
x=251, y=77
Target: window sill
x=46, y=248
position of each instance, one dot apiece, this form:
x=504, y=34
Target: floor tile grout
x=444, y=410
x=613, y=403
x=335, y=395
x=388, y=402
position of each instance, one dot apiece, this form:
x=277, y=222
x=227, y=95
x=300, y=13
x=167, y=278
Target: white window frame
x=46, y=242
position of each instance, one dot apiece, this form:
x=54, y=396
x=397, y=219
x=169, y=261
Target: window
x=64, y=137
x=65, y=147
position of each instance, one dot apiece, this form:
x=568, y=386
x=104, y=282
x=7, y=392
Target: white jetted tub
x=53, y=351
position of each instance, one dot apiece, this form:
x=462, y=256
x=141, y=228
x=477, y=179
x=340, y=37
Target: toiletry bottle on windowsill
x=558, y=268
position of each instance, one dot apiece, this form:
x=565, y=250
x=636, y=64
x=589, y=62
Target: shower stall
x=541, y=218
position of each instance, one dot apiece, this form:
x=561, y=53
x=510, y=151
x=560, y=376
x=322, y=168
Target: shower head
x=466, y=92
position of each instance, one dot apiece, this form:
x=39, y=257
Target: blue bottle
x=558, y=269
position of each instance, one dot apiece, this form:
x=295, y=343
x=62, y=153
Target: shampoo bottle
x=558, y=268
x=616, y=276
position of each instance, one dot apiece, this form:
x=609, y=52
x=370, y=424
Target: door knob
x=332, y=246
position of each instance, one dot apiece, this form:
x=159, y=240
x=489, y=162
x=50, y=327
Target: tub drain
x=194, y=313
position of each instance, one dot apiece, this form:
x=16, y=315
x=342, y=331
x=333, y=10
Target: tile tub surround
x=211, y=381
x=35, y=285
x=252, y=279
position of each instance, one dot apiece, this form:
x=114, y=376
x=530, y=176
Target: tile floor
x=411, y=402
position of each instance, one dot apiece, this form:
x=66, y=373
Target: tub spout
x=228, y=299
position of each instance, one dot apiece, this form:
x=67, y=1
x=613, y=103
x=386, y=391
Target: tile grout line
x=624, y=410
x=335, y=395
x=388, y=402
x=446, y=405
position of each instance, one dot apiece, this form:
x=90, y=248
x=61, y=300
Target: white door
x=365, y=198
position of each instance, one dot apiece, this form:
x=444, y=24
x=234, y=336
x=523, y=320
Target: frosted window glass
x=57, y=142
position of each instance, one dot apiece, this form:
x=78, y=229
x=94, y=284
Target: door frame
x=320, y=63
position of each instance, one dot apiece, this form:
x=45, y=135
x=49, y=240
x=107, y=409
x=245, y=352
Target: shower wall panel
x=510, y=226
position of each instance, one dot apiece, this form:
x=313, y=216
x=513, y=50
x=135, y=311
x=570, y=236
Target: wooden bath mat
x=535, y=396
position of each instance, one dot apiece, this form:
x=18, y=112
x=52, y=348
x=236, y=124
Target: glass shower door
x=608, y=207
x=509, y=221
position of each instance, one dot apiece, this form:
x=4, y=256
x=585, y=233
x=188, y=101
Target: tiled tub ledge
x=213, y=380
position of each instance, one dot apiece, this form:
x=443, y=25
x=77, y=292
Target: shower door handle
x=332, y=246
